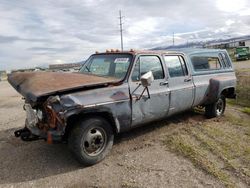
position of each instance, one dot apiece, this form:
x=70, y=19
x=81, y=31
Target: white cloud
x=231, y=5
x=229, y=22
x=43, y=32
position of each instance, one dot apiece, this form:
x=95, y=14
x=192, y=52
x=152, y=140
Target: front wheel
x=91, y=140
x=217, y=108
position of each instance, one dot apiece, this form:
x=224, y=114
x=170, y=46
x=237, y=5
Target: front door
x=180, y=84
x=152, y=105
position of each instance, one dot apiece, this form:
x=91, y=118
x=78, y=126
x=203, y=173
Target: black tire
x=217, y=108
x=91, y=140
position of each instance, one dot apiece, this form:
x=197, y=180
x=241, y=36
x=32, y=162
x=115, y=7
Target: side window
x=225, y=60
x=205, y=63
x=176, y=66
x=145, y=64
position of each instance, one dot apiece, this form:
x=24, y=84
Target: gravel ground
x=242, y=64
x=138, y=158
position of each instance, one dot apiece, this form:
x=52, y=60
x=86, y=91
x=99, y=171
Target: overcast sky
x=34, y=33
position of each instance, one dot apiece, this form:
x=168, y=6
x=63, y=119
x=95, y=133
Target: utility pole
x=121, y=30
x=173, y=38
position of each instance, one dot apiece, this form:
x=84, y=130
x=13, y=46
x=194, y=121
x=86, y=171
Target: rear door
x=180, y=84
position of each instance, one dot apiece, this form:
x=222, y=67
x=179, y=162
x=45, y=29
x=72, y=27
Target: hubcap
x=219, y=107
x=94, y=141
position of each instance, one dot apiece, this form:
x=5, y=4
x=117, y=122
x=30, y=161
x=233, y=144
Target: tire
x=217, y=108
x=91, y=140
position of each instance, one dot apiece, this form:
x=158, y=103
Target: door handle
x=187, y=80
x=164, y=83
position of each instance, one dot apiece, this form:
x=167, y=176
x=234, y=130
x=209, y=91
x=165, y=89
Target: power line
x=121, y=30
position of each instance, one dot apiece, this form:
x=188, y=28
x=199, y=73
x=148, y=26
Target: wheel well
x=72, y=121
x=229, y=92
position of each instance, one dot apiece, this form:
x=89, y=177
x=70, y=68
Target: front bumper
x=32, y=134
x=25, y=134
x=32, y=131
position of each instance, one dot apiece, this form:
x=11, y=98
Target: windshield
x=108, y=65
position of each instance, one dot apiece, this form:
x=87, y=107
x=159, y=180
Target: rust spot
x=49, y=138
x=37, y=84
x=52, y=117
x=119, y=95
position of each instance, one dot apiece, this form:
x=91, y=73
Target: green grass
x=246, y=110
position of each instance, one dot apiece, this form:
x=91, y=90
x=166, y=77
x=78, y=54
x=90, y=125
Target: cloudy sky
x=35, y=33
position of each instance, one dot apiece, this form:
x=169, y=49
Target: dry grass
x=219, y=147
x=243, y=88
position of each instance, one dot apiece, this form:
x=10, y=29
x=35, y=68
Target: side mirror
x=147, y=79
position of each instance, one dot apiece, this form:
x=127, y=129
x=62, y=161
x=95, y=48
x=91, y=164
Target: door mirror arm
x=146, y=80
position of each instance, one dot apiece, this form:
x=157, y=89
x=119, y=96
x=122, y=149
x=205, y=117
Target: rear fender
x=220, y=85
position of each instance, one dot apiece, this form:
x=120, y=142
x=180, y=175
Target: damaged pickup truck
x=117, y=91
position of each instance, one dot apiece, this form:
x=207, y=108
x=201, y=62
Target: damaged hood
x=33, y=85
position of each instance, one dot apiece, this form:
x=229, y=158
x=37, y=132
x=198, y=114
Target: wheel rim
x=94, y=141
x=219, y=107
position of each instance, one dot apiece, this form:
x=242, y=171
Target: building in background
x=3, y=75
x=67, y=67
x=230, y=43
x=233, y=46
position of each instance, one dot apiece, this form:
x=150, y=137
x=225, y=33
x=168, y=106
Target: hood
x=34, y=85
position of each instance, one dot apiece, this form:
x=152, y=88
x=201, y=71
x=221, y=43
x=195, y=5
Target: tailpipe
x=25, y=134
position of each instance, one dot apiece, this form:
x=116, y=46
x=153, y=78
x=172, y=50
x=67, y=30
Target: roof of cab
x=187, y=51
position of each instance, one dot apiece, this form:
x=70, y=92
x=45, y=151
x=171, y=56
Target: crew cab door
x=180, y=84
x=156, y=104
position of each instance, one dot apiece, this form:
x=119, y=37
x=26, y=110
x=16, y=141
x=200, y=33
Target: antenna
x=121, y=30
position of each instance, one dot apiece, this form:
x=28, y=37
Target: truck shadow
x=25, y=161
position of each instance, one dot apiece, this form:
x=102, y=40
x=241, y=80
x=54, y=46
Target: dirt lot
x=242, y=65
x=186, y=150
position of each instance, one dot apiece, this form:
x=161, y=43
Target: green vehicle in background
x=242, y=53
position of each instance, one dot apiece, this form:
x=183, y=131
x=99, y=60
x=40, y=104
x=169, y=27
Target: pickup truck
x=116, y=91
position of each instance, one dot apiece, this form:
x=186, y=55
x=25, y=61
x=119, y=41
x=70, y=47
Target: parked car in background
x=117, y=91
x=242, y=53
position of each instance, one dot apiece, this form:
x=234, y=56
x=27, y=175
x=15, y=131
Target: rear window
x=205, y=63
